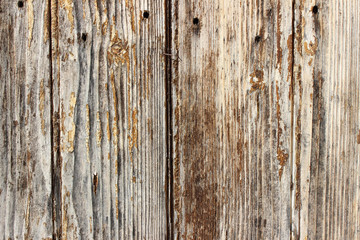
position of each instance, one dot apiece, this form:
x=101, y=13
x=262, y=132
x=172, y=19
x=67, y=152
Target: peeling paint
x=71, y=137
x=30, y=10
x=310, y=48
x=282, y=156
x=71, y=132
x=72, y=104
x=84, y=10
x=98, y=132
x=67, y=4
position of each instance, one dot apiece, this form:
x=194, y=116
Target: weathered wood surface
x=109, y=71
x=266, y=119
x=196, y=120
x=232, y=119
x=326, y=120
x=25, y=119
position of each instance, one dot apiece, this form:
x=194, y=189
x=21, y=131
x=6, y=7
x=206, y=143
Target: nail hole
x=146, y=14
x=315, y=9
x=257, y=39
x=196, y=21
x=84, y=36
x=20, y=4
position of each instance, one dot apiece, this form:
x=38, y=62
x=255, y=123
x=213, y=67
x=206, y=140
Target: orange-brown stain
x=67, y=4
x=98, y=131
x=132, y=137
x=259, y=84
x=104, y=27
x=282, y=156
x=310, y=61
x=310, y=48
x=115, y=121
x=84, y=10
x=130, y=6
x=46, y=22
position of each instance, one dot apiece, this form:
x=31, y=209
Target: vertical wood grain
x=326, y=159
x=109, y=67
x=25, y=132
x=232, y=82
x=179, y=119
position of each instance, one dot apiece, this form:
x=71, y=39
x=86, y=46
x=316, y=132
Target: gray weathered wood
x=25, y=132
x=232, y=119
x=256, y=104
x=109, y=69
x=326, y=120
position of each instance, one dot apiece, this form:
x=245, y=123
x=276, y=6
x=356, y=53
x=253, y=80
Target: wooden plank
x=25, y=119
x=232, y=101
x=109, y=67
x=326, y=159
x=263, y=116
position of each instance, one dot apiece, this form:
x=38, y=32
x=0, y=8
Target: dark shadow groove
x=52, y=5
x=292, y=157
x=169, y=130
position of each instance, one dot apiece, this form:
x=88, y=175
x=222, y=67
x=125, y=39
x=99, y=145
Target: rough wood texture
x=25, y=132
x=265, y=147
x=232, y=119
x=196, y=120
x=109, y=70
x=326, y=120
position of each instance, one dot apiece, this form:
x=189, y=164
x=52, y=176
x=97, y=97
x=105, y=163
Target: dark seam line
x=54, y=120
x=292, y=183
x=169, y=130
x=51, y=122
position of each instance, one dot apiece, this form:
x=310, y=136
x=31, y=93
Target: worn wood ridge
x=179, y=119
